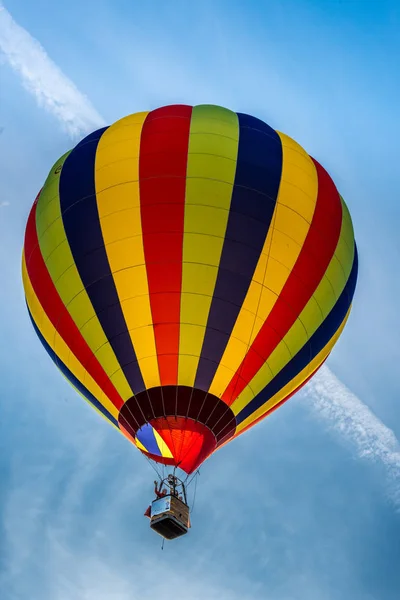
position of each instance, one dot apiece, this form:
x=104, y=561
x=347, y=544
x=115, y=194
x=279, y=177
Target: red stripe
x=189, y=441
x=312, y=262
x=59, y=316
x=162, y=174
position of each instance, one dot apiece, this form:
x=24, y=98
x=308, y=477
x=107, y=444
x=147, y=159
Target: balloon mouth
x=177, y=425
x=176, y=441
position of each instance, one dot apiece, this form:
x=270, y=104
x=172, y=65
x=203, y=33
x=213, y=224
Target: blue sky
x=307, y=505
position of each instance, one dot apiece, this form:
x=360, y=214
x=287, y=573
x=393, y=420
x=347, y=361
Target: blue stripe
x=146, y=436
x=254, y=194
x=315, y=344
x=83, y=230
x=71, y=378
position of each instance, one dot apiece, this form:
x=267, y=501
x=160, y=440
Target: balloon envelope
x=188, y=269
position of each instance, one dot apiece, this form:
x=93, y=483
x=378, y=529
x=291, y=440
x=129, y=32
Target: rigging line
x=145, y=455
x=194, y=494
x=130, y=412
x=168, y=424
x=176, y=393
x=189, y=448
x=189, y=403
x=150, y=404
x=132, y=415
x=196, y=420
x=184, y=431
x=186, y=478
x=193, y=476
x=153, y=466
x=201, y=408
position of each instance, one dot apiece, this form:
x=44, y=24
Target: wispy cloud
x=49, y=503
x=4, y=203
x=58, y=94
x=93, y=579
x=52, y=89
x=357, y=423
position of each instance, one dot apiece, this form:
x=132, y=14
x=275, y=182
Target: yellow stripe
x=165, y=451
x=312, y=316
x=118, y=202
x=294, y=383
x=61, y=349
x=293, y=214
x=212, y=156
x=60, y=263
x=140, y=446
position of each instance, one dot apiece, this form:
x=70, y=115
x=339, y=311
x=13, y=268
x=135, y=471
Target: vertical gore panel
x=315, y=344
x=118, y=203
x=258, y=174
x=83, y=230
x=314, y=258
x=64, y=274
x=57, y=313
x=71, y=378
x=162, y=176
x=211, y=167
x=290, y=223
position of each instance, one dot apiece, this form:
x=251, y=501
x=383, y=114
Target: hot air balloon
x=188, y=269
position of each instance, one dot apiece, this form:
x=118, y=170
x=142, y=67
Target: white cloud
x=89, y=578
x=357, y=423
x=40, y=525
x=45, y=80
x=38, y=522
x=4, y=203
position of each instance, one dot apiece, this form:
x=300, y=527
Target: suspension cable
x=195, y=490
